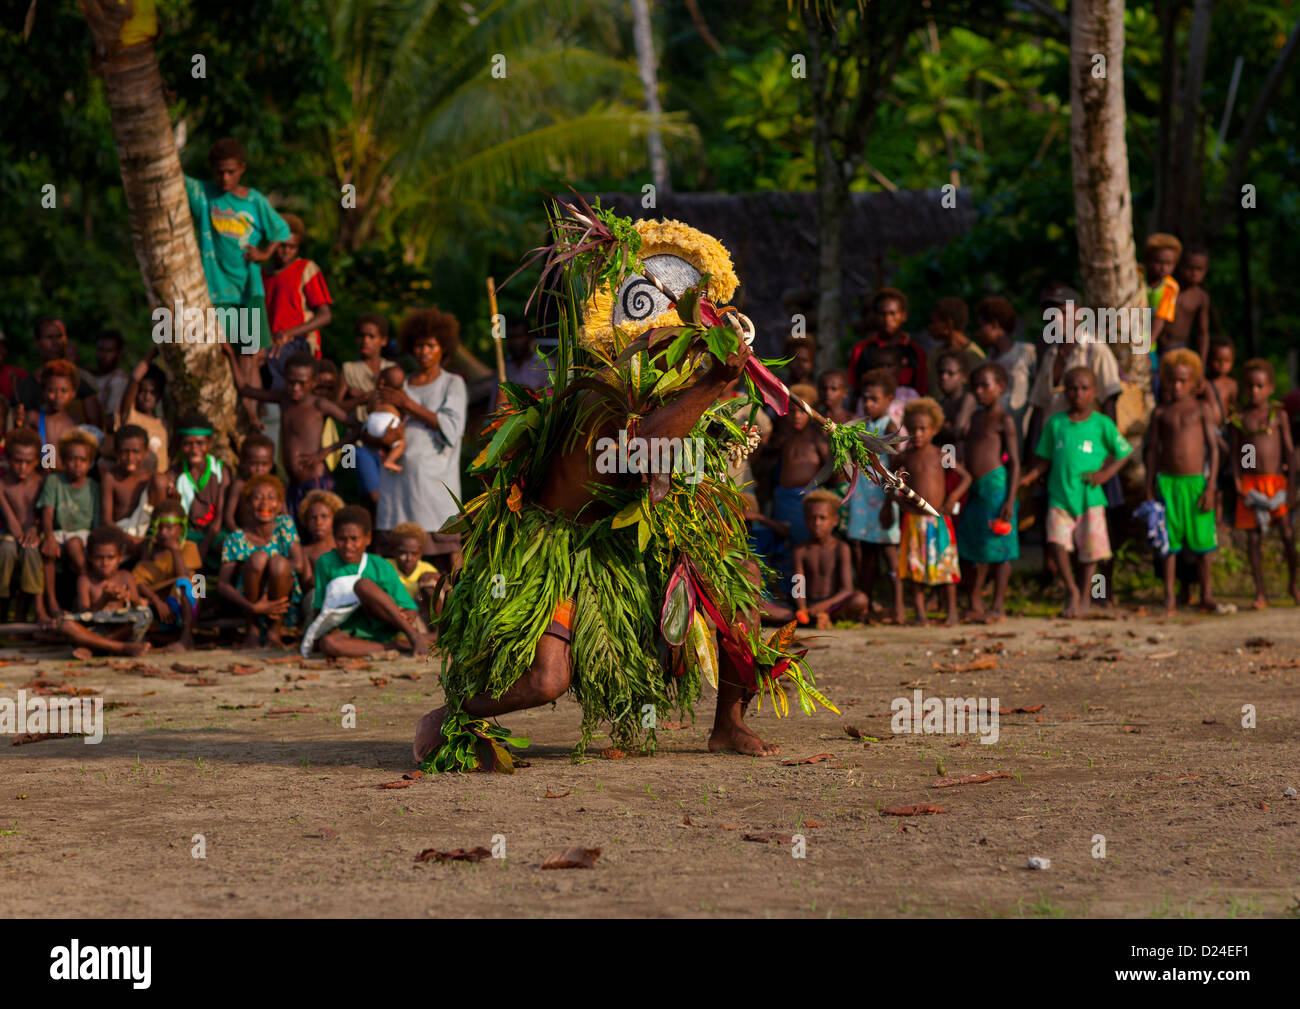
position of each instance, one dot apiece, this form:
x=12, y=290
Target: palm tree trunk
x=154, y=187
x=1103, y=199
x=647, y=69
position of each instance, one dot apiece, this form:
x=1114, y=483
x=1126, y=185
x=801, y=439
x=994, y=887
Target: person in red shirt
x=889, y=305
x=297, y=300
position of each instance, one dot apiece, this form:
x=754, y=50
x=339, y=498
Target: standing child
x=1083, y=449
x=165, y=576
x=873, y=526
x=260, y=562
x=69, y=510
x=359, y=380
x=202, y=483
x=890, y=362
x=803, y=451
x=1159, y=260
x=58, y=389
x=1264, y=464
x=304, y=415
x=297, y=300
x=110, y=380
x=948, y=321
x=231, y=223
x=1179, y=446
x=997, y=322
x=140, y=408
x=953, y=394
x=1220, y=393
x=889, y=306
x=1190, y=326
x=20, y=488
x=928, y=548
x=987, y=531
x=107, y=601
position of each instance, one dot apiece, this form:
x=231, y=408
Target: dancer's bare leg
x=546, y=680
x=729, y=729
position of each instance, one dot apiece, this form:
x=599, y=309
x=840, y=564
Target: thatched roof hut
x=772, y=237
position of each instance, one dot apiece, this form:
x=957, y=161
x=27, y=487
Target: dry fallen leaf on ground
x=415, y=775
x=983, y=662
x=770, y=836
x=36, y=737
x=1030, y=710
x=455, y=855
x=558, y=795
x=919, y=809
x=403, y=783
x=576, y=857
x=612, y=754
x=967, y=779
x=816, y=758
x=201, y=682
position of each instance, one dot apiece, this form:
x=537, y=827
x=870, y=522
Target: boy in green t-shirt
x=231, y=223
x=383, y=612
x=1084, y=449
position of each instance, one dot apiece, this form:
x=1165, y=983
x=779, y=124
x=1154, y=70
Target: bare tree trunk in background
x=1103, y=201
x=1187, y=209
x=154, y=186
x=1162, y=204
x=832, y=202
x=648, y=71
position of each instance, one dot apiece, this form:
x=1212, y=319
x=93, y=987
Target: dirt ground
x=1139, y=739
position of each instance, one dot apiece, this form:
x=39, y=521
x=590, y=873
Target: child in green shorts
x=1181, y=448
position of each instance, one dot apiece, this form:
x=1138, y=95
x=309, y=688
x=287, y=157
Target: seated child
x=1084, y=449
x=823, y=588
x=316, y=520
x=928, y=547
x=987, y=533
x=1179, y=444
x=873, y=528
x=803, y=451
x=1265, y=487
x=131, y=490
x=418, y=576
x=384, y=425
x=362, y=604
x=202, y=484
x=20, y=488
x=69, y=508
x=111, y=617
x=165, y=576
x=256, y=458
x=260, y=562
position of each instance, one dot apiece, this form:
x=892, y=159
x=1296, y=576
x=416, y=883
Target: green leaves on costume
x=472, y=744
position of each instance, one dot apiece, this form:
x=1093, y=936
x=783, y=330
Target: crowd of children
x=1008, y=437
x=120, y=522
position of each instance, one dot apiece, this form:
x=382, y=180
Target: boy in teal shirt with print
x=1084, y=449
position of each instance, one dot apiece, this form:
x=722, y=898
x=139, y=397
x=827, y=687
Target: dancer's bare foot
x=823, y=621
x=274, y=639
x=252, y=639
x=1260, y=603
x=737, y=737
x=952, y=620
x=136, y=647
x=428, y=734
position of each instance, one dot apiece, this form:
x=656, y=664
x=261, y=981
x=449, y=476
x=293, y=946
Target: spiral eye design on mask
x=638, y=299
